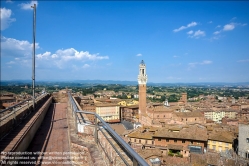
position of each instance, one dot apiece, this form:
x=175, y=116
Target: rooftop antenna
x=33, y=56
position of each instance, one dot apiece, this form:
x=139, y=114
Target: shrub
x=170, y=154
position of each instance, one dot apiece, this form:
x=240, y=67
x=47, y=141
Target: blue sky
x=179, y=41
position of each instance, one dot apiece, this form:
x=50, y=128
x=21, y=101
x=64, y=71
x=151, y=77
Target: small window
x=152, y=142
x=247, y=140
x=139, y=141
x=159, y=139
x=191, y=142
x=247, y=155
x=167, y=140
x=175, y=140
x=183, y=141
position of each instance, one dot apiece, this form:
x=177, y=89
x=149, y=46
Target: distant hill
x=132, y=83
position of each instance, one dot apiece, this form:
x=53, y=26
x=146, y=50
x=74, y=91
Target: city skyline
x=178, y=41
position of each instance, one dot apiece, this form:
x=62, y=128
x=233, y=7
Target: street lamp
x=33, y=56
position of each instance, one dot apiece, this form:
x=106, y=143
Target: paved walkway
x=51, y=139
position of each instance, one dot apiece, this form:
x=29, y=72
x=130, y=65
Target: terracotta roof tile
x=222, y=136
x=192, y=133
x=149, y=153
x=189, y=114
x=175, y=147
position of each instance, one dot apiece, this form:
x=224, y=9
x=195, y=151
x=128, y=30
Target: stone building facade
x=129, y=113
x=243, y=150
x=108, y=112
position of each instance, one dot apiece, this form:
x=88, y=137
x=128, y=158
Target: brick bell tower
x=142, y=80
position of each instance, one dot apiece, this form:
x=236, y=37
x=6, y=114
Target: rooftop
x=194, y=132
x=189, y=114
x=221, y=136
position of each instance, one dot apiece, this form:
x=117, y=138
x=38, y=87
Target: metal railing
x=101, y=125
x=21, y=103
x=11, y=114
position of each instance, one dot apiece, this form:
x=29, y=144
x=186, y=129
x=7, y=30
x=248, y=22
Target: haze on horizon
x=180, y=42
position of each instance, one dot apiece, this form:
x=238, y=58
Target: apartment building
x=191, y=139
x=129, y=113
x=175, y=139
x=189, y=117
x=108, y=111
x=217, y=115
x=220, y=140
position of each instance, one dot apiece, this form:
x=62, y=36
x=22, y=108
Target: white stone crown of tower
x=142, y=76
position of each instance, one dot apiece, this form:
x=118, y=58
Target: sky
x=180, y=42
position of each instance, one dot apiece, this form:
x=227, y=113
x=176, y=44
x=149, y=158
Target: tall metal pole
x=33, y=57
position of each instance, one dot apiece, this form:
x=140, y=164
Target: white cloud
x=139, y=54
x=192, y=24
x=206, y=62
x=6, y=19
x=190, y=32
x=62, y=57
x=175, y=64
x=17, y=48
x=198, y=34
x=244, y=60
x=54, y=56
x=9, y=1
x=27, y=6
x=194, y=64
x=85, y=66
x=234, y=18
x=210, y=22
x=228, y=27
x=21, y=52
x=44, y=56
x=175, y=56
x=217, y=32
x=218, y=26
x=214, y=38
x=11, y=62
x=72, y=54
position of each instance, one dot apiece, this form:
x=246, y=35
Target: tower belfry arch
x=142, y=81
